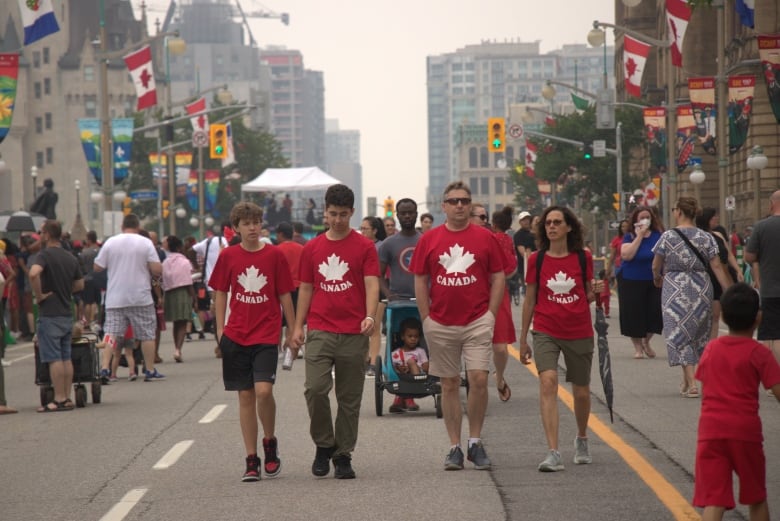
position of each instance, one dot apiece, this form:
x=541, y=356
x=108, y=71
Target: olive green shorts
x=577, y=354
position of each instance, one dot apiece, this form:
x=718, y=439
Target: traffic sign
x=614, y=225
x=599, y=148
x=731, y=203
x=516, y=131
x=200, y=138
x=143, y=195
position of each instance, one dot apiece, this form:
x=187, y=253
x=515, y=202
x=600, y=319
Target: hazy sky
x=372, y=54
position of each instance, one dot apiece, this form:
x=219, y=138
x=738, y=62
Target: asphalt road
x=172, y=450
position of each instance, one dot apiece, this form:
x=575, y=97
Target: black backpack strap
x=539, y=259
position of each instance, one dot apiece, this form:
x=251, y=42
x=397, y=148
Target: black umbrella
x=605, y=363
x=21, y=221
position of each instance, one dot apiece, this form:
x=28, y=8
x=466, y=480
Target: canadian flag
x=530, y=159
x=140, y=65
x=199, y=120
x=677, y=15
x=634, y=58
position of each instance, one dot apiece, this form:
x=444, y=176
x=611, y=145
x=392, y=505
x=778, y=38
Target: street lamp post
x=34, y=176
x=78, y=197
x=756, y=162
x=697, y=177
x=175, y=46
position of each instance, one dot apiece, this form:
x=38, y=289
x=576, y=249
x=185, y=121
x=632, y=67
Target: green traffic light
x=496, y=143
x=389, y=213
x=218, y=149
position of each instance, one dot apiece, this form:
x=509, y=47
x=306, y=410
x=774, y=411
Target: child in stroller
x=409, y=359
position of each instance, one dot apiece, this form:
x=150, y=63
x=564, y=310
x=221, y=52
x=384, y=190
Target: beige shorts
x=447, y=344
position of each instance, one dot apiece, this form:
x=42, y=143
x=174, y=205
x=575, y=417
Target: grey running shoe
x=477, y=455
x=581, y=452
x=552, y=463
x=454, y=460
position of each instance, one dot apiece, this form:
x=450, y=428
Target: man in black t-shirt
x=55, y=275
x=524, y=242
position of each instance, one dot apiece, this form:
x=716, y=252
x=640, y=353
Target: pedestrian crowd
x=259, y=296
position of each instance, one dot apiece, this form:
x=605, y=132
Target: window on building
x=48, y=120
x=47, y=86
x=474, y=186
x=484, y=185
x=37, y=89
x=473, y=157
x=483, y=157
x=49, y=155
x=39, y=159
x=45, y=55
x=510, y=156
x=38, y=125
x=89, y=73
x=90, y=108
x=36, y=59
x=499, y=185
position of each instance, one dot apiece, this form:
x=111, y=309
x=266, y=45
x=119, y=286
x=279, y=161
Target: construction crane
x=284, y=17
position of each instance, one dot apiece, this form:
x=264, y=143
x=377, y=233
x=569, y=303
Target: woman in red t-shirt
x=504, y=329
x=614, y=250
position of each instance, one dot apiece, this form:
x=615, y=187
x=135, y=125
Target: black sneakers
x=344, y=468
x=273, y=465
x=321, y=465
x=252, y=469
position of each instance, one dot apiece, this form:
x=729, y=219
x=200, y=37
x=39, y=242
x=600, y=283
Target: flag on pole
x=139, y=63
x=230, y=158
x=579, y=103
x=769, y=53
x=530, y=159
x=38, y=19
x=634, y=58
x=199, y=120
x=677, y=15
x=746, y=11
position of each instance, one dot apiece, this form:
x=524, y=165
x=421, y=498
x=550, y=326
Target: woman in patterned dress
x=686, y=293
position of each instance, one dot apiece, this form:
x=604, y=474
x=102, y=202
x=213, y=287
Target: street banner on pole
x=139, y=63
x=9, y=73
x=122, y=134
x=89, y=132
x=686, y=136
x=769, y=52
x=38, y=20
x=655, y=128
x=702, y=93
x=740, y=108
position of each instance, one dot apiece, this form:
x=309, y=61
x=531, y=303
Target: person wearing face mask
x=639, y=299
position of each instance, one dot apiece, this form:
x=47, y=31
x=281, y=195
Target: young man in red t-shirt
x=459, y=283
x=337, y=298
x=257, y=277
x=562, y=291
x=730, y=437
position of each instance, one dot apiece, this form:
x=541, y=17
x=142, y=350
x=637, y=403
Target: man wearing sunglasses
x=453, y=264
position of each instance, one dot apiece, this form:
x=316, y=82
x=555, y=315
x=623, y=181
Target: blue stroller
x=386, y=378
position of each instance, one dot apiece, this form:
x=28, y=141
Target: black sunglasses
x=455, y=200
x=481, y=216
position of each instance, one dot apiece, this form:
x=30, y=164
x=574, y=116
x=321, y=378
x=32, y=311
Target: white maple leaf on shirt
x=334, y=268
x=252, y=280
x=561, y=284
x=456, y=261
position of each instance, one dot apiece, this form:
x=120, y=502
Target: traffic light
x=496, y=134
x=389, y=207
x=218, y=141
x=616, y=201
x=587, y=150
x=127, y=206
x=165, y=210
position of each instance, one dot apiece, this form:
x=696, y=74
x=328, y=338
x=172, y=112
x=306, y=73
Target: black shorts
x=204, y=297
x=242, y=366
x=91, y=292
x=294, y=297
x=769, y=328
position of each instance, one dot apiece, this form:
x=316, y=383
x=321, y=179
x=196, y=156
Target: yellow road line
x=680, y=508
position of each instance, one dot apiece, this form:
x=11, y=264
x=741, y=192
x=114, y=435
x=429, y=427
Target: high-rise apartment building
x=470, y=85
x=342, y=150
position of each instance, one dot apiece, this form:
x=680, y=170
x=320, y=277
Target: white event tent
x=289, y=179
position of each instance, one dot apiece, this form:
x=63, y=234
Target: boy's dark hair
x=340, y=195
x=284, y=229
x=297, y=226
x=131, y=222
x=409, y=323
x=245, y=210
x=739, y=305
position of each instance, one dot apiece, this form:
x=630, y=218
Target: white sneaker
x=552, y=463
x=581, y=452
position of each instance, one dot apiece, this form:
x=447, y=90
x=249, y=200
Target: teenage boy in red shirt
x=730, y=437
x=257, y=277
x=337, y=299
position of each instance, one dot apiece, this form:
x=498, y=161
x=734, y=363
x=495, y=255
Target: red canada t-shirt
x=292, y=252
x=508, y=249
x=255, y=280
x=459, y=264
x=731, y=370
x=336, y=271
x=562, y=309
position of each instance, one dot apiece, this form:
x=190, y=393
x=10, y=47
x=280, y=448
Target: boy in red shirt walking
x=257, y=276
x=730, y=437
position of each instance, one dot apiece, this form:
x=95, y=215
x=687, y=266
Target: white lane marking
x=213, y=414
x=173, y=455
x=10, y=362
x=125, y=505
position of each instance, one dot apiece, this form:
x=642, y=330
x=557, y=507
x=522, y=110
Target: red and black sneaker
x=398, y=405
x=252, y=468
x=273, y=465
